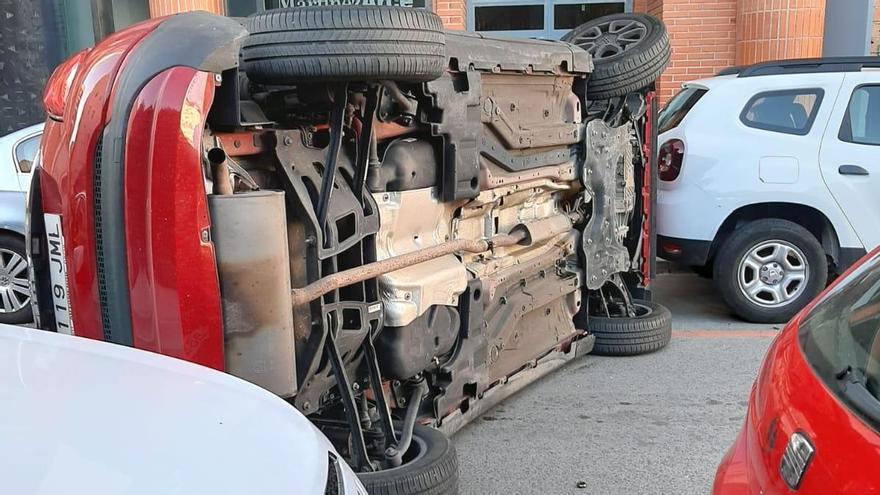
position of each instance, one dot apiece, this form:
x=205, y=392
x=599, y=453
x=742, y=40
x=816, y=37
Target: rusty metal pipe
x=220, y=172
x=344, y=278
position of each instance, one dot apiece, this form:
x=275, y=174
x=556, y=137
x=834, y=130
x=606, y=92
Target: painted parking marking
x=724, y=334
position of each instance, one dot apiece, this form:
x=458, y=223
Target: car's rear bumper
x=690, y=252
x=129, y=190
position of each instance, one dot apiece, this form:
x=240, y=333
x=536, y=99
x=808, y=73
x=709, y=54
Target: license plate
x=58, y=273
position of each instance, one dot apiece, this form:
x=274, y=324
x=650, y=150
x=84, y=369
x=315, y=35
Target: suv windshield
x=679, y=106
x=840, y=338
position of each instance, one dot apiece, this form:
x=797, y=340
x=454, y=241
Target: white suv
x=770, y=179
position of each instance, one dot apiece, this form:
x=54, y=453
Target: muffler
x=250, y=239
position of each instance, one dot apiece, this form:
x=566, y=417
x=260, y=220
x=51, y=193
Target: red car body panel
x=789, y=397
x=173, y=287
x=173, y=284
x=68, y=150
x=649, y=154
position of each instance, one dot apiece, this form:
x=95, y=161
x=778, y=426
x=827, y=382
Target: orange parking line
x=725, y=334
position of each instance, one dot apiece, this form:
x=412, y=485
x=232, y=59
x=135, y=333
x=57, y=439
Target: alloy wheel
x=773, y=273
x=611, y=38
x=14, y=286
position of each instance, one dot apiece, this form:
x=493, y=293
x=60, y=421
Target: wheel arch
x=11, y=230
x=816, y=222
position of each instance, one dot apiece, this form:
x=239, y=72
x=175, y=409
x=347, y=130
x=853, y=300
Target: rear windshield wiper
x=852, y=383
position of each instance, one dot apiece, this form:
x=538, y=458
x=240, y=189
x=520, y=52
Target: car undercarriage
x=402, y=249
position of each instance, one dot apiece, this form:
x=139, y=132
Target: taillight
x=58, y=88
x=671, y=155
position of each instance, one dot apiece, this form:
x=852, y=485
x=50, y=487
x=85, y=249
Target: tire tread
x=344, y=44
x=632, y=336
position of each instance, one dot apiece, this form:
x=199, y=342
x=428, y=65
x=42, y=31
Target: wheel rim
x=14, y=286
x=611, y=38
x=417, y=450
x=641, y=311
x=773, y=273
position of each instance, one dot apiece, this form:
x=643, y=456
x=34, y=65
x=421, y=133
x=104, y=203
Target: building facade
x=706, y=35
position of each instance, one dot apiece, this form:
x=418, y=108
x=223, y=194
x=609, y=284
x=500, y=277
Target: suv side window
x=25, y=151
x=861, y=123
x=788, y=111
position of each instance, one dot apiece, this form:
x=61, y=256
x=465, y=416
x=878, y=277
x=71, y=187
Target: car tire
x=704, y=271
x=15, y=307
x=757, y=268
x=433, y=471
x=343, y=43
x=649, y=331
x=622, y=65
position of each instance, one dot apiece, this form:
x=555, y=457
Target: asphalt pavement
x=653, y=424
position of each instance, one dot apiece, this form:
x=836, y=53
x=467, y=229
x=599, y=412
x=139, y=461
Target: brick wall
x=653, y=7
x=778, y=29
x=166, y=7
x=703, y=37
x=452, y=12
x=709, y=35
x=875, y=32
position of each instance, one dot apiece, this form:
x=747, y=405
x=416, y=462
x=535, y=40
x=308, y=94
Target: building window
x=548, y=19
x=572, y=15
x=509, y=18
x=861, y=124
x=788, y=112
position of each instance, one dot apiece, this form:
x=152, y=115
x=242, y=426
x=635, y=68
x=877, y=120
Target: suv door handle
x=852, y=170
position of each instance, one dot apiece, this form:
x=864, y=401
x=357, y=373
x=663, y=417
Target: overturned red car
x=813, y=421
x=390, y=226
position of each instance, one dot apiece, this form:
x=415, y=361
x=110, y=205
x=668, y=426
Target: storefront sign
x=313, y=3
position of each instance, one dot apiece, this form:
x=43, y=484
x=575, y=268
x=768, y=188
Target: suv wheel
x=769, y=269
x=15, y=299
x=344, y=43
x=629, y=51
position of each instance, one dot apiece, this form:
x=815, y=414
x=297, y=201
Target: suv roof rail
x=729, y=71
x=804, y=66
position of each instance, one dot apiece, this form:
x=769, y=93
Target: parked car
x=769, y=179
x=401, y=228
x=813, y=420
x=81, y=416
x=17, y=153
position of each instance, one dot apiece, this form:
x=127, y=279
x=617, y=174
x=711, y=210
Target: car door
x=850, y=154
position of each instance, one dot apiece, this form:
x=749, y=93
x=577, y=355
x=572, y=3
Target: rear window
x=678, y=107
x=789, y=111
x=840, y=339
x=861, y=125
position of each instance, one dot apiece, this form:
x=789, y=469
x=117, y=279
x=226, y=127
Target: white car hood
x=78, y=416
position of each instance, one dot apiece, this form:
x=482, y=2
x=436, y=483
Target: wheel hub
x=772, y=273
x=606, y=39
